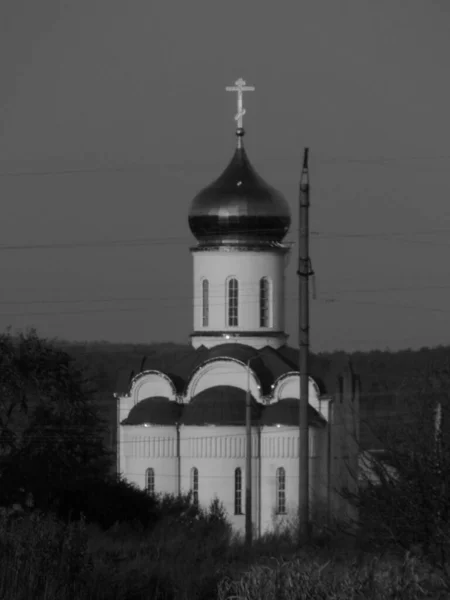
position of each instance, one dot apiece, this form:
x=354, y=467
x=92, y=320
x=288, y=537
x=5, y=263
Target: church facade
x=183, y=428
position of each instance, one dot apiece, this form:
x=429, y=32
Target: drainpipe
x=259, y=482
x=331, y=418
x=177, y=425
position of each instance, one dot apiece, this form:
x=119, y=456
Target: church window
x=233, y=301
x=238, y=492
x=281, y=491
x=205, y=303
x=150, y=481
x=264, y=302
x=194, y=485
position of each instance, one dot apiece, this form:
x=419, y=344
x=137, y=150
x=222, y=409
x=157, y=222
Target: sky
x=114, y=114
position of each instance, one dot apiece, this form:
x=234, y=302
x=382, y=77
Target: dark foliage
x=107, y=502
x=51, y=431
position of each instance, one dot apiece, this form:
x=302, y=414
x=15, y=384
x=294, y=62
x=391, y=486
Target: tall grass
x=188, y=557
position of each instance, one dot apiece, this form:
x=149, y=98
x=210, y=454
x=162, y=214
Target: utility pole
x=304, y=271
x=248, y=464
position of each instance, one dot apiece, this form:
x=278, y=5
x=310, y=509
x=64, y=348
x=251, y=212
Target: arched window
x=281, y=491
x=233, y=302
x=194, y=484
x=150, y=481
x=238, y=492
x=264, y=302
x=205, y=303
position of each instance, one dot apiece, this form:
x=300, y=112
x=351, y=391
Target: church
x=183, y=428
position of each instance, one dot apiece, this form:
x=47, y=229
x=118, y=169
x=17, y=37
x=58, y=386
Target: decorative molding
x=147, y=446
x=263, y=247
x=273, y=445
x=137, y=378
x=283, y=380
x=207, y=366
x=231, y=333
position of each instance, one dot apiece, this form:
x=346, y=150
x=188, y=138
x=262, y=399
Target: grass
x=189, y=558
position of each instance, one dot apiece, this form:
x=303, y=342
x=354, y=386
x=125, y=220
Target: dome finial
x=240, y=87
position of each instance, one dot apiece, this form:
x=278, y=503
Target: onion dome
x=286, y=412
x=156, y=410
x=239, y=207
x=219, y=405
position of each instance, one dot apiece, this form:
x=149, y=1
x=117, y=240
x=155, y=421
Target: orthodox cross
x=240, y=87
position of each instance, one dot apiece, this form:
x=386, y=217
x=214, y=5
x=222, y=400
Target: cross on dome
x=240, y=87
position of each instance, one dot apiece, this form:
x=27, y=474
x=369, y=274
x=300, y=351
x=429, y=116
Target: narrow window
x=150, y=481
x=264, y=302
x=194, y=484
x=205, y=303
x=238, y=492
x=281, y=491
x=233, y=300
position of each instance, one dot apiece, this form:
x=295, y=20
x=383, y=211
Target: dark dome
x=239, y=207
x=219, y=405
x=156, y=411
x=286, y=412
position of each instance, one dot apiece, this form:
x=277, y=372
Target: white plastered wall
x=150, y=447
x=289, y=387
x=248, y=267
x=223, y=372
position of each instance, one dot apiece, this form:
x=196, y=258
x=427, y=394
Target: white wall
x=216, y=452
x=248, y=267
x=222, y=372
x=150, y=447
x=289, y=387
x=280, y=448
x=149, y=384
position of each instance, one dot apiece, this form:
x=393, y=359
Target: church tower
x=239, y=222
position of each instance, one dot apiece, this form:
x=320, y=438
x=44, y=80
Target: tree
x=50, y=430
x=406, y=502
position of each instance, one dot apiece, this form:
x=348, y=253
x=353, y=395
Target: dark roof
x=268, y=364
x=286, y=412
x=219, y=405
x=239, y=207
x=156, y=410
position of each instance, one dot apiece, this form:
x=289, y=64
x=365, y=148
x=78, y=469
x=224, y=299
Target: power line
x=379, y=161
x=172, y=240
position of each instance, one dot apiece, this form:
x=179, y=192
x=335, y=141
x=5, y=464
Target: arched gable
x=288, y=386
x=152, y=383
x=223, y=371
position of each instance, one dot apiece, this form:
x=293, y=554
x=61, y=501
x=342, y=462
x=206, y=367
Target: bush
x=107, y=502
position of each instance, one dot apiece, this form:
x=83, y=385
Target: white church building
x=183, y=428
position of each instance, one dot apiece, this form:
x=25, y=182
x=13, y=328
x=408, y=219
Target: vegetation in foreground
x=93, y=536
x=192, y=556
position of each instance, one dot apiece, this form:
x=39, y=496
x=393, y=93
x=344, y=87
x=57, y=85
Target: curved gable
x=223, y=372
x=152, y=383
x=288, y=386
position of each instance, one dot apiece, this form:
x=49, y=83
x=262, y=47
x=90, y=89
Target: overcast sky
x=113, y=115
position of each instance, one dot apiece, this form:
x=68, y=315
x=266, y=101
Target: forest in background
x=384, y=374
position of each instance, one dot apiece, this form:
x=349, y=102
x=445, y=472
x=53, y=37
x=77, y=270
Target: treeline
x=386, y=376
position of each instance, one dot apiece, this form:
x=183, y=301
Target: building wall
x=289, y=387
x=248, y=267
x=153, y=447
x=280, y=448
x=224, y=372
x=216, y=452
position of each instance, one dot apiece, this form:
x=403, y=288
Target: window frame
x=194, y=485
x=232, y=302
x=265, y=302
x=281, y=491
x=238, y=491
x=205, y=302
x=150, y=481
